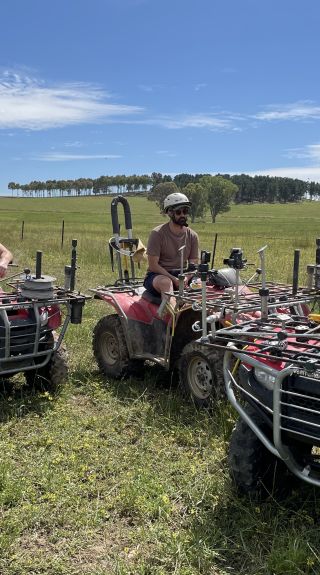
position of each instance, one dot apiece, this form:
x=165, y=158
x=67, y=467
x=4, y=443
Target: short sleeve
x=194, y=252
x=154, y=244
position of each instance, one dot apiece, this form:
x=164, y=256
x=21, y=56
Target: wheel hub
x=200, y=377
x=109, y=349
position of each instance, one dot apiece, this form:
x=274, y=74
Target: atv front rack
x=279, y=376
x=249, y=301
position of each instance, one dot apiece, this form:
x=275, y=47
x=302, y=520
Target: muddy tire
x=110, y=349
x=201, y=374
x=53, y=374
x=254, y=470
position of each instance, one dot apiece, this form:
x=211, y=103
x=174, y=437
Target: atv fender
x=131, y=306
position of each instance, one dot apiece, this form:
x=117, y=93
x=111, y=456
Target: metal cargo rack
x=237, y=302
x=286, y=351
x=27, y=316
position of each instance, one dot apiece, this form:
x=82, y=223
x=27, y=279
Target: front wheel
x=53, y=374
x=254, y=470
x=201, y=374
x=110, y=348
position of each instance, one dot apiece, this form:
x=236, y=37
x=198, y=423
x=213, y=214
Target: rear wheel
x=53, y=374
x=110, y=348
x=201, y=374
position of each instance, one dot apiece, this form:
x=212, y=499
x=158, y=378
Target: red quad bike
x=144, y=328
x=275, y=388
x=30, y=315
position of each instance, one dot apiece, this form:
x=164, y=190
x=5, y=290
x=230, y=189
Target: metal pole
x=22, y=230
x=295, y=279
x=214, y=250
x=263, y=292
x=73, y=264
x=204, y=305
x=310, y=276
x=38, y=265
x=318, y=251
x=181, y=276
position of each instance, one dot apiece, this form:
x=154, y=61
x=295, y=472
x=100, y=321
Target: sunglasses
x=180, y=211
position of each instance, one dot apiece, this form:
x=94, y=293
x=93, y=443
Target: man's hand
x=3, y=270
x=175, y=282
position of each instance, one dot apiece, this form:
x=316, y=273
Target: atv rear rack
x=31, y=313
x=26, y=325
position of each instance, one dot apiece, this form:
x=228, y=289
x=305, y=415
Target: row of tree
x=83, y=186
x=249, y=189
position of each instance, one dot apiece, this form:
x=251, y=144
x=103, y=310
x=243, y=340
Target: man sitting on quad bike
x=165, y=244
x=5, y=259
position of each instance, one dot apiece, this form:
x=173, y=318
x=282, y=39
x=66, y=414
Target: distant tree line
x=104, y=185
x=249, y=189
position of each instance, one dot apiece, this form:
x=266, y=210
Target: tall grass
x=124, y=477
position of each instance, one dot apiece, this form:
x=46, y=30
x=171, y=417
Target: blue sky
x=105, y=87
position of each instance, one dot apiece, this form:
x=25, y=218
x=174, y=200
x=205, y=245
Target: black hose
x=114, y=214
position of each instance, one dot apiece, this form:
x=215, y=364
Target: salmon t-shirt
x=165, y=244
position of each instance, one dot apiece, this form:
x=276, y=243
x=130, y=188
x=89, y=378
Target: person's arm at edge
x=5, y=258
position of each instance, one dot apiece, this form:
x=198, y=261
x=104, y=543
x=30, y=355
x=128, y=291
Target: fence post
x=22, y=230
x=62, y=233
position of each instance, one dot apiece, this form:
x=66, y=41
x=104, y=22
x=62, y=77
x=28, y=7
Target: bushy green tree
x=198, y=198
x=220, y=193
x=160, y=191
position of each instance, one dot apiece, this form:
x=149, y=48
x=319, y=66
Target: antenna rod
x=214, y=250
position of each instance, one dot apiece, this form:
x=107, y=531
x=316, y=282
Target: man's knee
x=162, y=283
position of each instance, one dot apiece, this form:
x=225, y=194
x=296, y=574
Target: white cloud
x=310, y=152
x=306, y=173
x=166, y=153
x=146, y=88
x=28, y=104
x=296, y=111
x=208, y=121
x=313, y=152
x=75, y=144
x=61, y=157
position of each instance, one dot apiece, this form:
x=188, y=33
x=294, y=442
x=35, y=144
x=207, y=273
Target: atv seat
x=151, y=298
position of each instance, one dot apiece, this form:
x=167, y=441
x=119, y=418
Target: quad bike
x=275, y=388
x=143, y=327
x=30, y=315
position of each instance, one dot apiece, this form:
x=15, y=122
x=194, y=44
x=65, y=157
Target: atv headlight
x=264, y=378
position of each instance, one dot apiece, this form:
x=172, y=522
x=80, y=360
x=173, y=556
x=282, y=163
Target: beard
x=181, y=221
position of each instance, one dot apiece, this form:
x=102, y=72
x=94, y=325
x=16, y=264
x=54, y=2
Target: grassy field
x=119, y=478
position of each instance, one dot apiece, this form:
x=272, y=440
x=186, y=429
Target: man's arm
x=5, y=258
x=194, y=253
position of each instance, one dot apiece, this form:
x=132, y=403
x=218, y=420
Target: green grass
x=119, y=478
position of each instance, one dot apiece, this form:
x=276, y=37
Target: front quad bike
x=276, y=391
x=34, y=317
x=141, y=329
